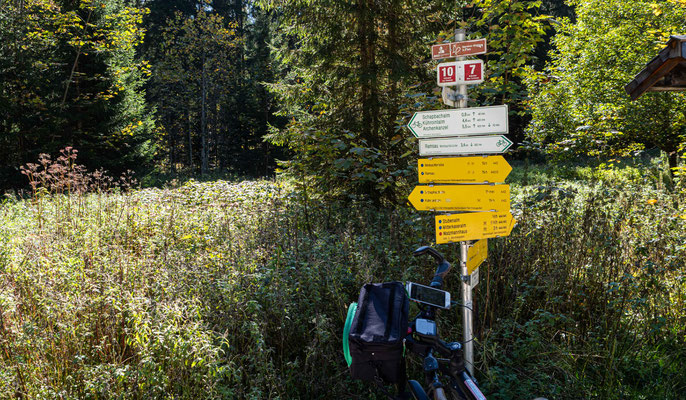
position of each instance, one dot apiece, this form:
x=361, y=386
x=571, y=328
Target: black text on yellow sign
x=461, y=197
x=477, y=253
x=473, y=226
x=490, y=169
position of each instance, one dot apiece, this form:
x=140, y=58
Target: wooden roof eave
x=657, y=68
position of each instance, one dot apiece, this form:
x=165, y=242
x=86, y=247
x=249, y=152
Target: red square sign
x=473, y=72
x=447, y=74
x=460, y=73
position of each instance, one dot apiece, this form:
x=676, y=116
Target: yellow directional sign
x=463, y=169
x=473, y=226
x=461, y=197
x=477, y=253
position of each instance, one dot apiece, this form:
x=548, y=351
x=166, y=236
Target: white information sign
x=474, y=278
x=460, y=122
x=493, y=144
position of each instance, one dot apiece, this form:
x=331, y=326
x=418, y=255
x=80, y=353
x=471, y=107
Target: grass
x=239, y=290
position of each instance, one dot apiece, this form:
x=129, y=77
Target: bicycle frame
x=426, y=343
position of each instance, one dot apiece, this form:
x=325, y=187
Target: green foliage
x=579, y=103
x=352, y=80
x=70, y=77
x=587, y=309
x=353, y=74
x=209, y=62
x=240, y=290
x=193, y=77
x=513, y=29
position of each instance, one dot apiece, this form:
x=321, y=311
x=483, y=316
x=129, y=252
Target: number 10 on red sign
x=460, y=73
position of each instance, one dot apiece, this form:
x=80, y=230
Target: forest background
x=237, y=288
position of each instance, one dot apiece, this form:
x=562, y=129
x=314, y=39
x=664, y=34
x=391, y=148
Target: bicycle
x=445, y=376
x=423, y=340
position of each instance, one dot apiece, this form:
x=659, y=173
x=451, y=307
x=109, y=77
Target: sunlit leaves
x=513, y=28
x=70, y=74
x=579, y=104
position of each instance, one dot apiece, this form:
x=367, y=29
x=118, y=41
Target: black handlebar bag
x=377, y=333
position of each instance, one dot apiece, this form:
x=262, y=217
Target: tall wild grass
x=239, y=290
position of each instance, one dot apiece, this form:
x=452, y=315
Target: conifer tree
x=351, y=69
x=71, y=77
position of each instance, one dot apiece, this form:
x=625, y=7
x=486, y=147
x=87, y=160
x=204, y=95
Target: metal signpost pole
x=461, y=89
x=467, y=309
x=464, y=248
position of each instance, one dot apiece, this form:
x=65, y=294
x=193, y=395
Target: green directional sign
x=453, y=146
x=460, y=122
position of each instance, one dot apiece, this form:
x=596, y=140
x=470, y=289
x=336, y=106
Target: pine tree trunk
x=172, y=147
x=369, y=98
x=673, y=159
x=190, y=140
x=394, y=100
x=204, y=166
x=373, y=72
x=364, y=66
x=214, y=128
x=265, y=130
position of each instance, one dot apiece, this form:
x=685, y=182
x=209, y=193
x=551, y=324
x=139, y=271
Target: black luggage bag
x=377, y=333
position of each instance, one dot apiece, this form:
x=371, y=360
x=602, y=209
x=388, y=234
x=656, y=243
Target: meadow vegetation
x=240, y=289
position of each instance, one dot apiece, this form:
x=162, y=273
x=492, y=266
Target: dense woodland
x=325, y=87
x=194, y=191
x=151, y=86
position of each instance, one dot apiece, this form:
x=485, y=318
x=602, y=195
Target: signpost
x=477, y=253
x=458, y=49
x=476, y=131
x=461, y=198
x=463, y=170
x=493, y=144
x=459, y=122
x=472, y=226
x=460, y=73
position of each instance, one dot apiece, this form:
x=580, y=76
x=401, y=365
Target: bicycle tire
x=417, y=390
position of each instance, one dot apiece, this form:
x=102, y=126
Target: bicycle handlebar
x=443, y=265
x=425, y=343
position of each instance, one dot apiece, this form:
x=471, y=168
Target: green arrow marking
x=504, y=142
x=411, y=124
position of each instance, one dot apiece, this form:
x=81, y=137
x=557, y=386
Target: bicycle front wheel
x=417, y=390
